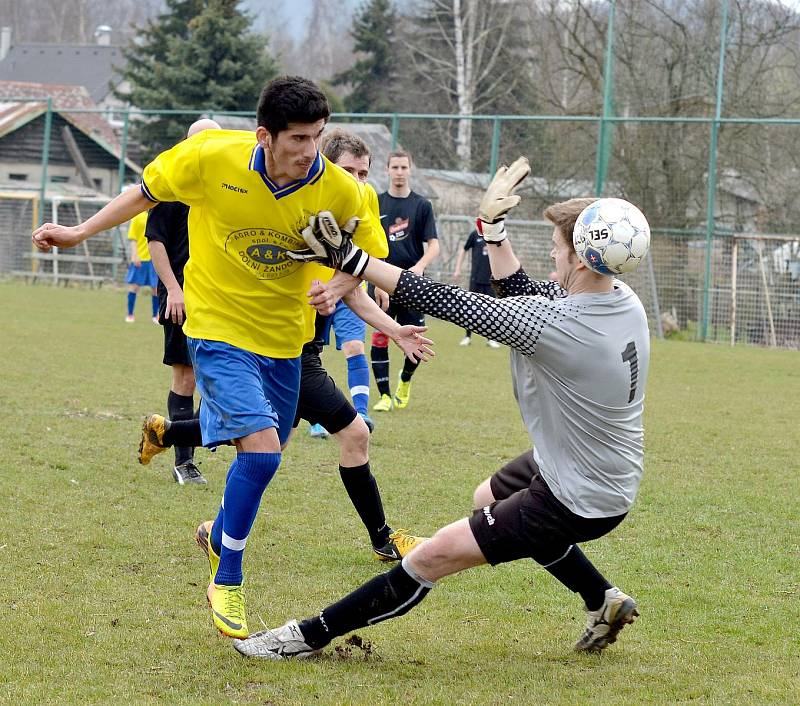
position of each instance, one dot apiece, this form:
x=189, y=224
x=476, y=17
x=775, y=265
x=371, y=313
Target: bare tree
x=326, y=48
x=462, y=49
x=74, y=21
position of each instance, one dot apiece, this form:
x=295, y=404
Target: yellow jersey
x=136, y=229
x=240, y=287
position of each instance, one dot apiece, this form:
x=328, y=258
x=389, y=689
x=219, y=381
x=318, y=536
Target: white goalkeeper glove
x=331, y=244
x=499, y=199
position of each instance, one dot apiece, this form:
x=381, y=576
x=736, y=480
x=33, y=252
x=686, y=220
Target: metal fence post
x=123, y=151
x=495, y=154
x=603, y=138
x=48, y=128
x=395, y=130
x=711, y=181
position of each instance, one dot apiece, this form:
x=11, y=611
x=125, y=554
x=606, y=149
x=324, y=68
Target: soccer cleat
x=155, y=320
x=492, y=344
x=227, y=609
x=467, y=340
x=368, y=421
x=317, y=431
x=384, y=404
x=188, y=473
x=152, y=441
x=130, y=318
x=604, y=624
x=280, y=643
x=402, y=394
x=203, y=538
x=400, y=543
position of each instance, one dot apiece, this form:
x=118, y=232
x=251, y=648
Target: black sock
x=389, y=595
x=183, y=433
x=380, y=369
x=579, y=575
x=408, y=370
x=181, y=407
x=467, y=333
x=362, y=488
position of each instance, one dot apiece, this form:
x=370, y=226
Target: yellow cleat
x=400, y=543
x=402, y=395
x=227, y=610
x=384, y=404
x=203, y=538
x=152, y=442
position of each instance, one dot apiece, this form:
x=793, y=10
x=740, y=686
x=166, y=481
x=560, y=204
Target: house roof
x=16, y=111
x=89, y=65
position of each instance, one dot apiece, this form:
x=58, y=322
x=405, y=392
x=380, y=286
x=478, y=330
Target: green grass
x=102, y=589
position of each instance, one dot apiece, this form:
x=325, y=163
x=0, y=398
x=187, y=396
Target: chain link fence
x=725, y=268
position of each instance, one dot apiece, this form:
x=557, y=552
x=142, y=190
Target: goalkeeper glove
x=499, y=199
x=331, y=244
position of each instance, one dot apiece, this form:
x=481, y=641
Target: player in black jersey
x=480, y=276
x=410, y=228
x=168, y=241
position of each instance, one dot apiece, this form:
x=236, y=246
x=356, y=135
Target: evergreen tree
x=200, y=56
x=373, y=77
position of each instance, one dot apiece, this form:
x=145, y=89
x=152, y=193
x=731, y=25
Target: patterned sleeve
x=516, y=322
x=521, y=285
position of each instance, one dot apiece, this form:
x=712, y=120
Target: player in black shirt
x=168, y=240
x=410, y=228
x=480, y=278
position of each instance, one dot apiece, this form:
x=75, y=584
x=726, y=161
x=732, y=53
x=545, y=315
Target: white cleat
x=604, y=624
x=465, y=341
x=280, y=643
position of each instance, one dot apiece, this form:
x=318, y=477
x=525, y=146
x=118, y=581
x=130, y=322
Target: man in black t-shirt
x=410, y=228
x=480, y=278
x=168, y=240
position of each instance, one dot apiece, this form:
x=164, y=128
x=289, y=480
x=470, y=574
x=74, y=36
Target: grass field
x=102, y=591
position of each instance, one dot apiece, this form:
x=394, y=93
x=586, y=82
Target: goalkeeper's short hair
x=337, y=141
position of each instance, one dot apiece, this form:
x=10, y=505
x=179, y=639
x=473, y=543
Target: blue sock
x=358, y=382
x=243, y=491
x=216, y=528
x=155, y=305
x=131, y=303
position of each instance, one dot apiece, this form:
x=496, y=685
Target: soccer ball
x=611, y=236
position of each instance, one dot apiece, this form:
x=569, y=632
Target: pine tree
x=373, y=77
x=198, y=55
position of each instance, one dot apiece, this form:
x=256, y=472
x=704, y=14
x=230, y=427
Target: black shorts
x=320, y=401
x=176, y=350
x=402, y=315
x=528, y=521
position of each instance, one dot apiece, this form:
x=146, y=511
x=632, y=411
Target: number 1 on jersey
x=629, y=356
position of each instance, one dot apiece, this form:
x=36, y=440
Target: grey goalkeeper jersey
x=579, y=366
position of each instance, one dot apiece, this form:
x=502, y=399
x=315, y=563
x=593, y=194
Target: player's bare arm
x=408, y=338
x=176, y=308
x=431, y=253
x=121, y=209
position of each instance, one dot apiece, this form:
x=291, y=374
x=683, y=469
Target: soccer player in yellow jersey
x=140, y=271
x=247, y=318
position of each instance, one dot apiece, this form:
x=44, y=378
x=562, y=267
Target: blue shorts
x=243, y=392
x=144, y=275
x=346, y=325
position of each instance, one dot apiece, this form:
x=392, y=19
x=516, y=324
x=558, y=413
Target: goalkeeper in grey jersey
x=580, y=351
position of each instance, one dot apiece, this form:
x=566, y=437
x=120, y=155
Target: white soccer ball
x=611, y=236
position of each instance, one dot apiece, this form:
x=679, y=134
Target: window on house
x=18, y=177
